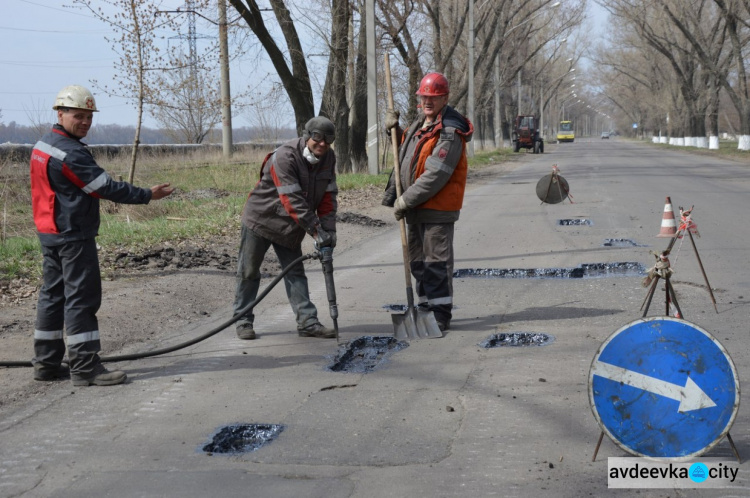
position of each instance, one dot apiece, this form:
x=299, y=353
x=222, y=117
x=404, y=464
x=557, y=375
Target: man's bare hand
x=161, y=191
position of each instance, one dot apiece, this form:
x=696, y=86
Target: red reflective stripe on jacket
x=326, y=205
x=68, y=173
x=283, y=197
x=42, y=194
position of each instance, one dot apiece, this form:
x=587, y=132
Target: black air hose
x=212, y=332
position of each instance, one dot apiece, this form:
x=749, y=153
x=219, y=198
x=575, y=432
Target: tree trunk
x=334, y=104
x=141, y=95
x=358, y=111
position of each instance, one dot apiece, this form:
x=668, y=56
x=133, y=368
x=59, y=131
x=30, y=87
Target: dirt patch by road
x=170, y=286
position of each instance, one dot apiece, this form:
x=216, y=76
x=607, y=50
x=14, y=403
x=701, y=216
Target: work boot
x=317, y=330
x=246, y=332
x=444, y=325
x=47, y=374
x=103, y=378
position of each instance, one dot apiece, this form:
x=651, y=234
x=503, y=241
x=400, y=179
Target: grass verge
x=207, y=203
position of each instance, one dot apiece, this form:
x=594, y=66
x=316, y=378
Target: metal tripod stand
x=662, y=270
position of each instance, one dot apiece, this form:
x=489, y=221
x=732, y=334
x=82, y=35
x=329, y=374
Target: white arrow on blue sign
x=665, y=388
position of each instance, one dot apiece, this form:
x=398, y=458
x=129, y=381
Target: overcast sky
x=47, y=46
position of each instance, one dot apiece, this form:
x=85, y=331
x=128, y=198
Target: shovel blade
x=415, y=324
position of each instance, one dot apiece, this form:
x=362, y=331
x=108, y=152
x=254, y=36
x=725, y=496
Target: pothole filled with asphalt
x=586, y=270
x=365, y=354
x=517, y=339
x=575, y=222
x=620, y=243
x=242, y=438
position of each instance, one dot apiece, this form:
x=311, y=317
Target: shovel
x=414, y=323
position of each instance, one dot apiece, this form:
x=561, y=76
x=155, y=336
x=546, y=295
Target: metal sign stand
x=688, y=226
x=663, y=270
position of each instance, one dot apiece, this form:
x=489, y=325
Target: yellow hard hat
x=75, y=97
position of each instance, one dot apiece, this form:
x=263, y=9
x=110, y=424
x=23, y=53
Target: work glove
x=324, y=239
x=399, y=208
x=389, y=195
x=391, y=119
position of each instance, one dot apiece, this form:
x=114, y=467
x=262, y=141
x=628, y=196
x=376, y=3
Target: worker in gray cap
x=295, y=196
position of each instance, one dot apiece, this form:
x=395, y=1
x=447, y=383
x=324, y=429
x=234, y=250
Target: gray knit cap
x=322, y=125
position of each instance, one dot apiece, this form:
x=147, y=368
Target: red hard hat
x=433, y=85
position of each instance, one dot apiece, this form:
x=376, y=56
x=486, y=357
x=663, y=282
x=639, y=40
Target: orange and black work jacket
x=434, y=167
x=66, y=185
x=293, y=197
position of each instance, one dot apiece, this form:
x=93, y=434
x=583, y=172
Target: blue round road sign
x=665, y=388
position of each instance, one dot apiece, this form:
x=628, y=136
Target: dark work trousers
x=253, y=248
x=70, y=296
x=431, y=260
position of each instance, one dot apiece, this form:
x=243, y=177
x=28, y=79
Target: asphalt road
x=442, y=417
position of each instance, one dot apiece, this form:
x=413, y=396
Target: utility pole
x=226, y=95
x=497, y=115
x=519, y=91
x=226, y=105
x=372, y=90
x=470, y=97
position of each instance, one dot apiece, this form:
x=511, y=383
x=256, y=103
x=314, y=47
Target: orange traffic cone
x=668, y=223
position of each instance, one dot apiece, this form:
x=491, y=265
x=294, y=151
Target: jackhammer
x=326, y=259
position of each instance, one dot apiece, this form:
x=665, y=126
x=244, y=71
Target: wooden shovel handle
x=397, y=174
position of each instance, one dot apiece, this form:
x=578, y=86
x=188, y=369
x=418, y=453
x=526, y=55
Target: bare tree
x=512, y=32
x=358, y=98
x=264, y=114
x=189, y=104
x=707, y=25
x=335, y=105
x=40, y=117
x=656, y=29
x=294, y=75
x=134, y=24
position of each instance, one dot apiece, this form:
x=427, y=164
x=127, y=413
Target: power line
x=76, y=31
x=67, y=11
x=61, y=65
x=57, y=63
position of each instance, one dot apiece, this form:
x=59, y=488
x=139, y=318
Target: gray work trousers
x=70, y=296
x=431, y=262
x=253, y=248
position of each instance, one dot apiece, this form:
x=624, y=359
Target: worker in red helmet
x=433, y=166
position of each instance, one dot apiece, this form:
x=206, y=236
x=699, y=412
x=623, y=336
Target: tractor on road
x=526, y=134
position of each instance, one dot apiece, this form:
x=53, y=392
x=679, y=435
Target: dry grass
x=209, y=197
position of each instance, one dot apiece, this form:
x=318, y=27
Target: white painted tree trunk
x=713, y=143
x=663, y=140
x=701, y=142
x=744, y=143
x=680, y=141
